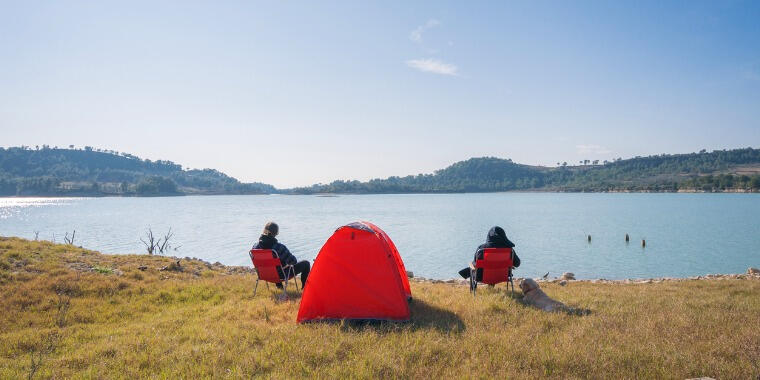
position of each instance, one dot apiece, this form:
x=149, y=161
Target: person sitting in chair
x=267, y=240
x=496, y=239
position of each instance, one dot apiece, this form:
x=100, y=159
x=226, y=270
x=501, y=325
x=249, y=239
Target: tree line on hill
x=701, y=171
x=94, y=172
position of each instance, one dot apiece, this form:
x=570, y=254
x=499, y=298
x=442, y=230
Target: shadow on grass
x=569, y=310
x=426, y=316
x=276, y=294
x=423, y=317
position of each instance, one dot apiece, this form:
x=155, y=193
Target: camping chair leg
x=513, y=286
x=473, y=281
x=293, y=271
x=255, y=287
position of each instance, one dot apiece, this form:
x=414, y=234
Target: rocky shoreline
x=567, y=277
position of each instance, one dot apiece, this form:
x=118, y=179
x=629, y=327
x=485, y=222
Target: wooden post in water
x=643, y=243
x=589, y=238
x=627, y=238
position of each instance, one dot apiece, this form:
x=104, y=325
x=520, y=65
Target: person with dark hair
x=496, y=238
x=267, y=240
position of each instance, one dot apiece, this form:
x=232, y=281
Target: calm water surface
x=686, y=234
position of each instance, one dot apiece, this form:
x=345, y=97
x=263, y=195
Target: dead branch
x=164, y=245
x=151, y=244
x=70, y=241
x=37, y=355
x=63, y=305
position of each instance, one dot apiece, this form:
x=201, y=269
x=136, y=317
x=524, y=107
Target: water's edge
x=752, y=273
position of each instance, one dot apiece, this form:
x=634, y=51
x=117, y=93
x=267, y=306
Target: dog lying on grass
x=534, y=296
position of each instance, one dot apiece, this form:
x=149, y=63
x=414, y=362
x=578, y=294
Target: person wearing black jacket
x=267, y=240
x=496, y=239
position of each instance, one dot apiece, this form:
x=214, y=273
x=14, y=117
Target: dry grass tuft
x=70, y=312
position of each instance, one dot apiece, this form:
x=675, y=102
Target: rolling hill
x=58, y=172
x=720, y=170
x=49, y=171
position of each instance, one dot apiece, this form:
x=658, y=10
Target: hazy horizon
x=294, y=94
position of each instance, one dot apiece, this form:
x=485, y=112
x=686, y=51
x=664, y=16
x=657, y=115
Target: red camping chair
x=496, y=265
x=269, y=268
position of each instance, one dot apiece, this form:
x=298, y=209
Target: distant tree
x=755, y=182
x=156, y=185
x=71, y=146
x=745, y=181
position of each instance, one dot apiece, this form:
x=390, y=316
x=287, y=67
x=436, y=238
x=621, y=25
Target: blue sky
x=295, y=93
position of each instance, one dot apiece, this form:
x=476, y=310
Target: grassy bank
x=70, y=312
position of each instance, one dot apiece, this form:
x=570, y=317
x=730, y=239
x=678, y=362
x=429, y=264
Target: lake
x=686, y=234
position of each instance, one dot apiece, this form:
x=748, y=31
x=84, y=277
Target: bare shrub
x=38, y=353
x=150, y=241
x=70, y=240
x=155, y=244
x=62, y=308
x=164, y=245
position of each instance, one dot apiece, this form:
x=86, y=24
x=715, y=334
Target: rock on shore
x=569, y=278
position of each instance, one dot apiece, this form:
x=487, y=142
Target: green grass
x=102, y=270
x=62, y=317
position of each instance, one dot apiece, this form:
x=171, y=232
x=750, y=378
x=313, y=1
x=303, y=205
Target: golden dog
x=533, y=295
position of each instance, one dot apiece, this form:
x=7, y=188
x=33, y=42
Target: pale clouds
x=434, y=66
x=416, y=34
x=429, y=65
x=591, y=149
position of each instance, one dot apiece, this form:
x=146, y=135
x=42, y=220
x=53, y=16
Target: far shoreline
x=334, y=195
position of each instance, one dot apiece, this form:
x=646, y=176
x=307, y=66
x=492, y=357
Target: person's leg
x=465, y=273
x=303, y=268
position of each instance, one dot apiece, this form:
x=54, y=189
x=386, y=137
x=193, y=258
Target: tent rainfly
x=358, y=275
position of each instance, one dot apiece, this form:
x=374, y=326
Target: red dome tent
x=358, y=274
